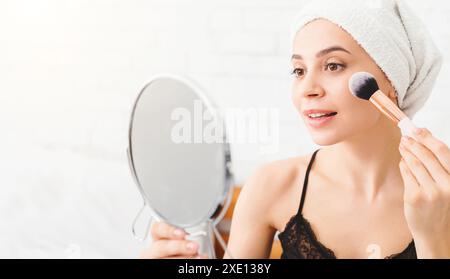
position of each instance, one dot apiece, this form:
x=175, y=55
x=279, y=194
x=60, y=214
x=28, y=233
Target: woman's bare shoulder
x=253, y=226
x=272, y=180
x=278, y=174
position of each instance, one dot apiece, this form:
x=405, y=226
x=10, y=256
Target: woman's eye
x=298, y=72
x=334, y=67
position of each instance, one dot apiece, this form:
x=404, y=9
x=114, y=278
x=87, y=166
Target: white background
x=69, y=73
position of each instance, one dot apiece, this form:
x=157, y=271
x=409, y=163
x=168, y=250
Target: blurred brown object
x=224, y=229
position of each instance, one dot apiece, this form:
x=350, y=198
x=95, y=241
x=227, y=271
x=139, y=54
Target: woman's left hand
x=425, y=169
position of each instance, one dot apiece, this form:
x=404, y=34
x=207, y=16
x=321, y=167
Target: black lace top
x=299, y=241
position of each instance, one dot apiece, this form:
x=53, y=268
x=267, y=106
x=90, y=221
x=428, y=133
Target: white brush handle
x=406, y=127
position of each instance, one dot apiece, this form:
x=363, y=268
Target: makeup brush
x=364, y=86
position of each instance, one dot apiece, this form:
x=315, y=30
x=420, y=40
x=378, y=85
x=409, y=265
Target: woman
x=368, y=192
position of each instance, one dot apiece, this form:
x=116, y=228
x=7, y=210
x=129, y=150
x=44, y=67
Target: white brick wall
x=70, y=72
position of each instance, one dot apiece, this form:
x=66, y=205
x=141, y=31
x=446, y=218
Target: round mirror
x=179, y=156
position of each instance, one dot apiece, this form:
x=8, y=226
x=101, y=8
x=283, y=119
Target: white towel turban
x=393, y=36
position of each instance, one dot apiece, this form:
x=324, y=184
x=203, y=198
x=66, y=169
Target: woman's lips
x=321, y=121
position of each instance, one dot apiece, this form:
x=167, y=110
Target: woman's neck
x=368, y=161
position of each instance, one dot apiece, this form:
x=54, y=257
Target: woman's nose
x=315, y=91
x=310, y=88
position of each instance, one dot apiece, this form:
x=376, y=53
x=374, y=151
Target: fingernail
x=178, y=232
x=418, y=131
x=404, y=141
x=191, y=245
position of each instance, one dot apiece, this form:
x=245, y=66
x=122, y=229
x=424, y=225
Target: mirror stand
x=203, y=234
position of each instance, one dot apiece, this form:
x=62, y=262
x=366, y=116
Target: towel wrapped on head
x=393, y=36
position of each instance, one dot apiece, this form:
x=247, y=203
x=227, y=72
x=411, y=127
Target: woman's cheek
x=296, y=99
x=362, y=115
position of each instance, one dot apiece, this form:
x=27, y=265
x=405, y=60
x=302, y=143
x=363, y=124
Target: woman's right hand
x=170, y=243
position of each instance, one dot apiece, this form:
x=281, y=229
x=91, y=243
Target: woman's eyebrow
x=331, y=49
x=323, y=52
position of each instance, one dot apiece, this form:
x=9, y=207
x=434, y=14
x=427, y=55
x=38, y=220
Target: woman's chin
x=324, y=139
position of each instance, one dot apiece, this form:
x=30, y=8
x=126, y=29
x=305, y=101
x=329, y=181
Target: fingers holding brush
x=437, y=147
x=412, y=188
x=427, y=158
x=423, y=168
x=415, y=166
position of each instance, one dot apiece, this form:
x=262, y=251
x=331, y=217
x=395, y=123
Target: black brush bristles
x=363, y=85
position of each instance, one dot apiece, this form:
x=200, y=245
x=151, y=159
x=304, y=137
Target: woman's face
x=325, y=57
